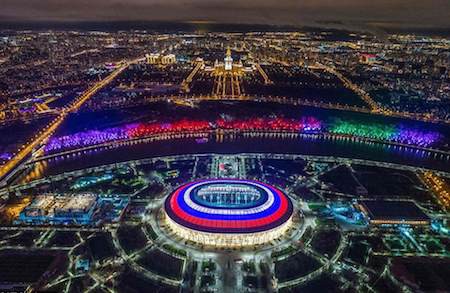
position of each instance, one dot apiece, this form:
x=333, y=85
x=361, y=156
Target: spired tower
x=228, y=60
x=227, y=78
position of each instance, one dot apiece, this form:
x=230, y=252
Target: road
x=45, y=133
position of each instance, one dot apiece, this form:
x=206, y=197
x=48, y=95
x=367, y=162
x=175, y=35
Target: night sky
x=386, y=12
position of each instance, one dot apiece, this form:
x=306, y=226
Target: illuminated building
x=152, y=58
x=156, y=58
x=367, y=58
x=168, y=59
x=228, y=212
x=73, y=209
x=228, y=60
x=77, y=209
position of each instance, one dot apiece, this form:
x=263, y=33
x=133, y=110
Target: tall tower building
x=228, y=60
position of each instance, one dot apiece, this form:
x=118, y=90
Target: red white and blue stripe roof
x=270, y=209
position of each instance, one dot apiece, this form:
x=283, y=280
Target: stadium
x=228, y=212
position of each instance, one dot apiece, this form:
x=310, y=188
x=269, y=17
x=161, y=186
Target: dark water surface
x=319, y=147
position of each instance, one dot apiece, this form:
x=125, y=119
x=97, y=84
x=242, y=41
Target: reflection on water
x=305, y=146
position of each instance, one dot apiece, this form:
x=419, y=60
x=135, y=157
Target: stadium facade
x=228, y=212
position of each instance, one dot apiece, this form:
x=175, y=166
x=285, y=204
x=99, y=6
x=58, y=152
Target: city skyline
x=224, y=146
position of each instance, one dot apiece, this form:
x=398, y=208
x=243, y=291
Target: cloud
x=424, y=12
